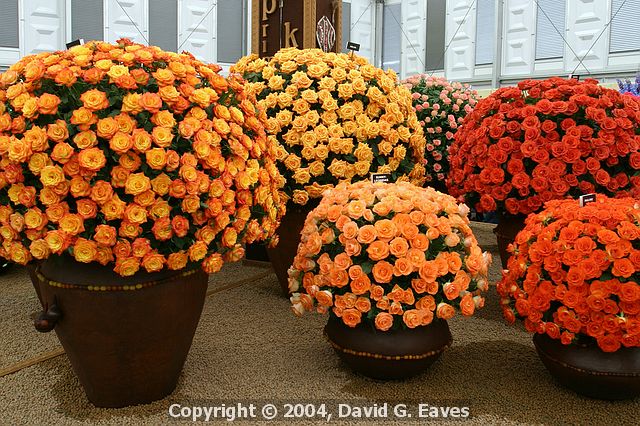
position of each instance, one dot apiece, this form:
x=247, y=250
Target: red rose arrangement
x=543, y=140
x=390, y=255
x=441, y=106
x=574, y=273
x=128, y=155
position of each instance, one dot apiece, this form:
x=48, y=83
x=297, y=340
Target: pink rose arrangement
x=441, y=106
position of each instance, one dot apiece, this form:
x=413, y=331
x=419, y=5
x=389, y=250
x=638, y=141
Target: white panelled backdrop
x=531, y=42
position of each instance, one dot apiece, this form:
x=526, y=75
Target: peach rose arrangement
x=391, y=255
x=441, y=106
x=574, y=273
x=128, y=155
x=337, y=117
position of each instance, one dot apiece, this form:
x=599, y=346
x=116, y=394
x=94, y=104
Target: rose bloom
x=92, y=159
x=324, y=298
x=105, y=235
x=137, y=183
x=72, y=224
x=384, y=321
x=127, y=266
x=94, y=100
x=212, y=264
x=445, y=311
x=177, y=261
x=412, y=318
x=85, y=251
x=351, y=317
x=467, y=305
x=39, y=249
x=197, y=251
x=153, y=262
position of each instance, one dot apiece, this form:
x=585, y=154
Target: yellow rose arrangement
x=388, y=255
x=337, y=118
x=128, y=155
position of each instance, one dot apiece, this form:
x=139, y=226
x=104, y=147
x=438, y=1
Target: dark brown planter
x=256, y=253
x=438, y=185
x=127, y=345
x=506, y=231
x=282, y=255
x=31, y=269
x=589, y=371
x=388, y=355
x=5, y=265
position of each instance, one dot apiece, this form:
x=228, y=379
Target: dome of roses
x=544, y=140
x=337, y=118
x=128, y=155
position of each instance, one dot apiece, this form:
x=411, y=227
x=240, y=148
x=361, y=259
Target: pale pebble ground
x=250, y=347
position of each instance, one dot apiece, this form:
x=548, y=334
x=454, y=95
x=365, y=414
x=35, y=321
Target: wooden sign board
x=279, y=24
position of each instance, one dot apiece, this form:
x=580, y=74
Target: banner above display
x=303, y=24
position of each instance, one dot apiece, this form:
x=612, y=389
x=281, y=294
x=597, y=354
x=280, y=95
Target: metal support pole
x=246, y=25
x=497, y=57
x=378, y=23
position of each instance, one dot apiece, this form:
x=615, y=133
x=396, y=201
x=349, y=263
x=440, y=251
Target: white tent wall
x=524, y=42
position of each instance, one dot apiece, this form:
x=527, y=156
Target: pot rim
x=371, y=328
x=388, y=357
x=182, y=273
x=541, y=347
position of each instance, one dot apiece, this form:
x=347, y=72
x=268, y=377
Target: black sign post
x=380, y=178
x=586, y=199
x=353, y=47
x=77, y=42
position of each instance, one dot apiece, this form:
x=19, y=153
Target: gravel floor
x=249, y=347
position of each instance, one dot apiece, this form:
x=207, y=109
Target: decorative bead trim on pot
x=387, y=357
x=590, y=372
x=135, y=287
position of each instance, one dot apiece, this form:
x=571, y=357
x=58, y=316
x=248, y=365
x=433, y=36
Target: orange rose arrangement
x=128, y=155
x=574, y=273
x=542, y=140
x=391, y=255
x=337, y=118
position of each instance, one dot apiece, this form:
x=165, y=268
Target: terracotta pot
x=127, y=345
x=282, y=255
x=388, y=355
x=506, y=231
x=589, y=371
